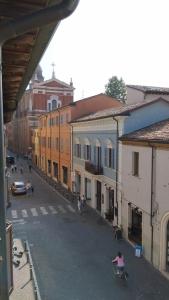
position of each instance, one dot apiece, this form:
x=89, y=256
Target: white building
x=145, y=191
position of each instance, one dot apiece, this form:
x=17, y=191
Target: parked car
x=18, y=187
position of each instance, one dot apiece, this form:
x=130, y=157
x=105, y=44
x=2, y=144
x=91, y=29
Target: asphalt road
x=72, y=253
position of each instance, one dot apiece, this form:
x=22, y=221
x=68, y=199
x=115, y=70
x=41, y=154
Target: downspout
x=3, y=244
x=151, y=203
x=43, y=17
x=117, y=164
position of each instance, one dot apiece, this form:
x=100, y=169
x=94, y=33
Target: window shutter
x=95, y=154
x=84, y=152
x=105, y=156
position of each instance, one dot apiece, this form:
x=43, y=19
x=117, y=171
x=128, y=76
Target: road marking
x=14, y=214
x=18, y=221
x=34, y=212
x=43, y=210
x=71, y=208
x=61, y=208
x=53, y=210
x=24, y=213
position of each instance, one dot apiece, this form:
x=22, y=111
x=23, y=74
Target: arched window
x=98, y=154
x=109, y=155
x=54, y=104
x=77, y=148
x=87, y=149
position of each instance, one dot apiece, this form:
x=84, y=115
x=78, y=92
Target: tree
x=116, y=88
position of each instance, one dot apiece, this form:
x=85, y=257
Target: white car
x=18, y=187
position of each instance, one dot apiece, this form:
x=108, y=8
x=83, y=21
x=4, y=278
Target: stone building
x=40, y=97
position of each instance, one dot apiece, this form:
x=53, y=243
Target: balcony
x=91, y=168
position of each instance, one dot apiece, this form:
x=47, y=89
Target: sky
x=101, y=39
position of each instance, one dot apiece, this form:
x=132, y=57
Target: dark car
x=18, y=188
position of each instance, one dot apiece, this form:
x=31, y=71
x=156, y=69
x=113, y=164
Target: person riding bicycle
x=119, y=260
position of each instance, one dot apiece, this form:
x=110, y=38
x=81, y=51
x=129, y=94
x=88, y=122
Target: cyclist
x=119, y=260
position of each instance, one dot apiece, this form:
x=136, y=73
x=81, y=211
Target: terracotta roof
x=150, y=89
x=158, y=132
x=122, y=111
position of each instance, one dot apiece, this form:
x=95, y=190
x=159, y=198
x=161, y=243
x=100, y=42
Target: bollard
x=31, y=274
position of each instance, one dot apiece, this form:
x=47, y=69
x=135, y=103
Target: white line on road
x=24, y=213
x=61, y=208
x=14, y=214
x=43, y=210
x=71, y=208
x=53, y=210
x=18, y=221
x=34, y=212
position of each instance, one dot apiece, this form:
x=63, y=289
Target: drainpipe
x=45, y=16
x=151, y=203
x=117, y=164
x=3, y=247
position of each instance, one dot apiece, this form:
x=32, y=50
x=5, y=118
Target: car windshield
x=19, y=185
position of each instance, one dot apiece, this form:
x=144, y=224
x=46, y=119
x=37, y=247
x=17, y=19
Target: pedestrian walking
x=21, y=170
x=79, y=205
x=83, y=201
x=15, y=168
x=30, y=168
x=28, y=188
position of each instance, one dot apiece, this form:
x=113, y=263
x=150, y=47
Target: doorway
x=111, y=203
x=98, y=195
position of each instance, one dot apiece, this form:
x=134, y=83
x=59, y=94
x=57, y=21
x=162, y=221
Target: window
x=78, y=150
x=87, y=189
x=54, y=104
x=49, y=142
x=87, y=152
x=61, y=145
x=57, y=143
x=110, y=158
x=65, y=174
x=49, y=166
x=49, y=106
x=135, y=170
x=55, y=170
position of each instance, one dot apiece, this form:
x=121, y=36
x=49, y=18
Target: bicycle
x=121, y=274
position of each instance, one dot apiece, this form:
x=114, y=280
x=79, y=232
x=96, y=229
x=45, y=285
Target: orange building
x=54, y=134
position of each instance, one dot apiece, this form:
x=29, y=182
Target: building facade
x=55, y=136
x=42, y=96
x=145, y=206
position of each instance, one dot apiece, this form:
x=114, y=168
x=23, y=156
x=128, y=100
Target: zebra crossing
x=41, y=211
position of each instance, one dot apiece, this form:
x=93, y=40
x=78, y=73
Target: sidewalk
x=23, y=286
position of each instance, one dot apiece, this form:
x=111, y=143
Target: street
x=72, y=253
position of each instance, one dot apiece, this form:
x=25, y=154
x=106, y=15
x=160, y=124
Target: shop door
x=167, y=248
x=98, y=194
